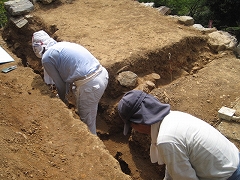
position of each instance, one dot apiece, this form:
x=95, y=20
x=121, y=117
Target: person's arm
x=177, y=161
x=60, y=84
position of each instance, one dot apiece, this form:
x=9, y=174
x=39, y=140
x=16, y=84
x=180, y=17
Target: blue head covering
x=139, y=107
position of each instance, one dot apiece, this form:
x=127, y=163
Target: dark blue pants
x=236, y=174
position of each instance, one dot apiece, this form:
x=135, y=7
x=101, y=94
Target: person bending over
x=190, y=148
x=67, y=63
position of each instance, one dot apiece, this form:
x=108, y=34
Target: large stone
x=226, y=113
x=221, y=40
x=230, y=130
x=19, y=21
x=198, y=26
x=127, y=79
x=150, y=4
x=47, y=1
x=236, y=106
x=237, y=51
x=203, y=29
x=186, y=20
x=155, y=76
x=18, y=7
x=164, y=10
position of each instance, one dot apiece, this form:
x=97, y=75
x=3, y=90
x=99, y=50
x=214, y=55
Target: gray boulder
x=221, y=40
x=127, y=79
x=186, y=20
x=19, y=7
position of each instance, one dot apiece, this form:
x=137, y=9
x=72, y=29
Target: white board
x=4, y=56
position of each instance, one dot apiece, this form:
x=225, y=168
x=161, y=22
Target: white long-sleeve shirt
x=194, y=150
x=65, y=62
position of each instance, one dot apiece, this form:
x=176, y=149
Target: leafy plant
x=222, y=13
x=3, y=16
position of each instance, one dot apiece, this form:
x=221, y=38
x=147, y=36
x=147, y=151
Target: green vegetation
x=223, y=13
x=3, y=16
x=226, y=15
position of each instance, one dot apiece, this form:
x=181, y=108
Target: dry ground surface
x=41, y=138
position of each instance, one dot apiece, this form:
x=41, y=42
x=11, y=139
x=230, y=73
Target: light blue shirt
x=66, y=62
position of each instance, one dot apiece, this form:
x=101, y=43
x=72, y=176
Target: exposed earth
x=41, y=138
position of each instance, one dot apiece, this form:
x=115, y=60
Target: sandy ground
x=41, y=138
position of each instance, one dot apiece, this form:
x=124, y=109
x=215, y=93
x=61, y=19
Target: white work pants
x=88, y=97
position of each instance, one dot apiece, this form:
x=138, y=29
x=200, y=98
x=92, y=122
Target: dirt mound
x=43, y=139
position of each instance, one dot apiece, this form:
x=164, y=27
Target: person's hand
x=66, y=102
x=167, y=175
x=71, y=98
x=167, y=178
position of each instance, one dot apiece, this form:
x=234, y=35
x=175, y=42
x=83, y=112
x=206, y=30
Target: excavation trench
x=183, y=58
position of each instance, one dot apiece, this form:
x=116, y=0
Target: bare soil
x=41, y=138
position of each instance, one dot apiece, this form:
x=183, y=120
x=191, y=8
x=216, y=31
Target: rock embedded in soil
x=127, y=78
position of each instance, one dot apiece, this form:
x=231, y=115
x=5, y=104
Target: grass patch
x=3, y=14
